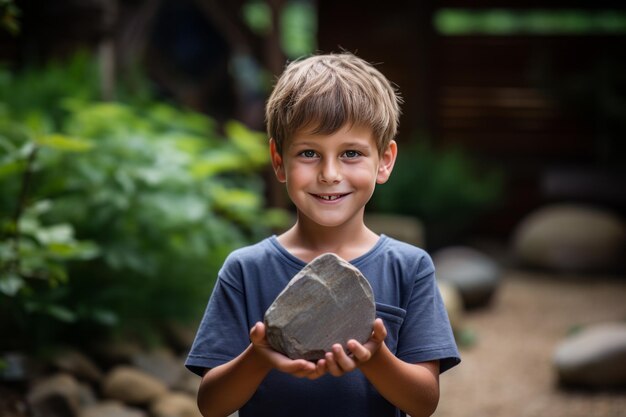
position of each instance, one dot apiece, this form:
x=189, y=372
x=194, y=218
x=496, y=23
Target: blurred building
x=536, y=88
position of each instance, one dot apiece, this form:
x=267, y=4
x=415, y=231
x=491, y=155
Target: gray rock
x=595, y=357
x=77, y=364
x=132, y=386
x=571, y=238
x=473, y=273
x=329, y=301
x=405, y=228
x=59, y=395
x=453, y=302
x=111, y=409
x=188, y=382
x=162, y=364
x=175, y=404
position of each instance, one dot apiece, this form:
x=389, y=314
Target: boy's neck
x=307, y=240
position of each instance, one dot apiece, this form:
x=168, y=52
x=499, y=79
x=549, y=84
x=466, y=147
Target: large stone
x=329, y=301
x=453, y=302
x=571, y=238
x=132, y=386
x=405, y=228
x=162, y=364
x=77, y=364
x=595, y=357
x=111, y=409
x=59, y=395
x=175, y=404
x=472, y=272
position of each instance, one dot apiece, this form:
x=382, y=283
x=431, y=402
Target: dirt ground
x=508, y=372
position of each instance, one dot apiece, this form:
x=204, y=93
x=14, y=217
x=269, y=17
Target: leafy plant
x=115, y=217
x=445, y=189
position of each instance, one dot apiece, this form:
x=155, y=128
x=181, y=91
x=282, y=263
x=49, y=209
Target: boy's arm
x=413, y=388
x=225, y=388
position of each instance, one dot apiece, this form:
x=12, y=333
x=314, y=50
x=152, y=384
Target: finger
x=332, y=366
x=299, y=367
x=346, y=363
x=320, y=369
x=360, y=352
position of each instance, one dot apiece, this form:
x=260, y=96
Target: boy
x=331, y=121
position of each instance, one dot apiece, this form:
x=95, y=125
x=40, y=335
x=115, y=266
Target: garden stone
x=405, y=228
x=188, y=383
x=571, y=238
x=453, y=302
x=77, y=364
x=111, y=408
x=59, y=395
x=329, y=301
x=132, y=386
x=473, y=273
x=595, y=357
x=175, y=405
x=162, y=364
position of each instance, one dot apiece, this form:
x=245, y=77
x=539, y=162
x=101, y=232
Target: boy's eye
x=308, y=154
x=351, y=154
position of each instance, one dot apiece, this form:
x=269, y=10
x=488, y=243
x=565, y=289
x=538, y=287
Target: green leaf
x=258, y=16
x=215, y=163
x=10, y=168
x=298, y=29
x=74, y=250
x=60, y=313
x=57, y=234
x=105, y=317
x=10, y=284
x=64, y=143
x=253, y=144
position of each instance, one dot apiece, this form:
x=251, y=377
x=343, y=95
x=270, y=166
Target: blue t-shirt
x=407, y=299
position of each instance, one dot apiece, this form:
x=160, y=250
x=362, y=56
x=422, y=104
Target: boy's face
x=330, y=178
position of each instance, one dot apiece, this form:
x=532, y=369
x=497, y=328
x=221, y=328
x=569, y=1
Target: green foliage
x=114, y=217
x=507, y=22
x=444, y=189
x=298, y=29
x=297, y=24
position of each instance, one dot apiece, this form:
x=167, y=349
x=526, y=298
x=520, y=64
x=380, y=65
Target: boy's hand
x=339, y=363
x=300, y=368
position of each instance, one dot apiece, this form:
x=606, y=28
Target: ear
x=277, y=162
x=387, y=161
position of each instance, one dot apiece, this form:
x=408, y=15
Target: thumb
x=380, y=331
x=257, y=333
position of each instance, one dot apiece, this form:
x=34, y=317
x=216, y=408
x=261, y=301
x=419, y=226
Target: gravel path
x=508, y=372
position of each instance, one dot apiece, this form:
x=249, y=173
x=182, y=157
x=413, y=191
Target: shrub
x=446, y=189
x=114, y=216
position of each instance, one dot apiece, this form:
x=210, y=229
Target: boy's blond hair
x=322, y=93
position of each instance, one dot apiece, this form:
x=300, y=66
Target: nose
x=330, y=171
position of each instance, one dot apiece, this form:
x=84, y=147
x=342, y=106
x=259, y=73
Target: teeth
x=329, y=197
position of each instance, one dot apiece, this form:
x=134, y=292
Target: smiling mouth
x=329, y=197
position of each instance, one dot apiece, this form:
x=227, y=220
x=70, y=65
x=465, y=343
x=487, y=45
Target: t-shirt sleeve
x=426, y=333
x=222, y=334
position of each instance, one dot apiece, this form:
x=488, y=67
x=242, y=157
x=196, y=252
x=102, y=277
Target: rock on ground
x=593, y=357
x=571, y=238
x=473, y=273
